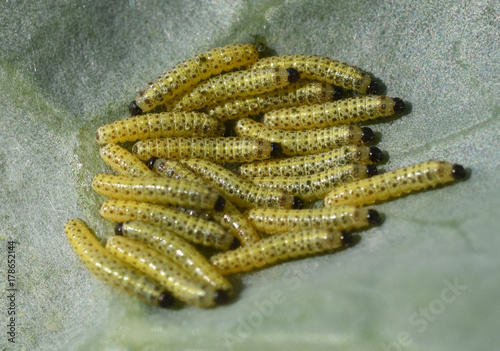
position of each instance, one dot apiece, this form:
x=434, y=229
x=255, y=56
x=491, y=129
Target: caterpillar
x=188, y=73
x=123, y=162
x=240, y=191
x=231, y=149
x=159, y=125
x=168, y=273
x=271, y=220
x=177, y=249
x=305, y=142
x=316, y=186
x=280, y=247
x=300, y=93
x=345, y=111
x=112, y=270
x=158, y=190
x=311, y=164
x=395, y=183
x=193, y=229
x=323, y=69
x=231, y=218
x=236, y=84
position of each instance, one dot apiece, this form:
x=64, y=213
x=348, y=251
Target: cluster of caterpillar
x=174, y=190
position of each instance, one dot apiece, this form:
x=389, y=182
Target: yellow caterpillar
x=323, y=69
x=159, y=125
x=231, y=149
x=188, y=73
x=177, y=249
x=280, y=247
x=236, y=84
x=395, y=183
x=305, y=142
x=112, y=270
x=345, y=111
x=272, y=220
x=240, y=191
x=123, y=162
x=300, y=93
x=162, y=269
x=311, y=164
x=193, y=229
x=316, y=186
x=158, y=190
x=230, y=218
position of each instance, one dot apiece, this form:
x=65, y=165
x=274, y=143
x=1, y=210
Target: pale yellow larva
x=300, y=93
x=162, y=269
x=305, y=142
x=176, y=248
x=345, y=111
x=231, y=149
x=311, y=164
x=280, y=247
x=158, y=190
x=241, y=191
x=193, y=229
x=230, y=218
x=123, y=162
x=235, y=85
x=159, y=125
x=316, y=186
x=272, y=220
x=188, y=73
x=323, y=69
x=112, y=270
x=395, y=183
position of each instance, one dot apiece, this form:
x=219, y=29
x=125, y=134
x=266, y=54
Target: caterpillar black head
x=373, y=88
x=166, y=300
x=151, y=162
x=276, y=150
x=399, y=105
x=293, y=75
x=376, y=154
x=134, y=109
x=458, y=172
x=367, y=135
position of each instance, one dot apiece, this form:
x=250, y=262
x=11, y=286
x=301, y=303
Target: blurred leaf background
x=68, y=67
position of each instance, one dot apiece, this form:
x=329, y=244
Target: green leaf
x=68, y=67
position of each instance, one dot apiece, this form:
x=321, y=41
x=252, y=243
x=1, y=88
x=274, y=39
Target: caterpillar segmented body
x=230, y=218
x=236, y=84
x=162, y=269
x=188, y=73
x=311, y=164
x=395, y=183
x=231, y=149
x=271, y=220
x=123, y=162
x=177, y=249
x=240, y=191
x=305, y=142
x=316, y=186
x=159, y=125
x=323, y=69
x=345, y=111
x=279, y=247
x=112, y=270
x=193, y=229
x=158, y=190
x=300, y=93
